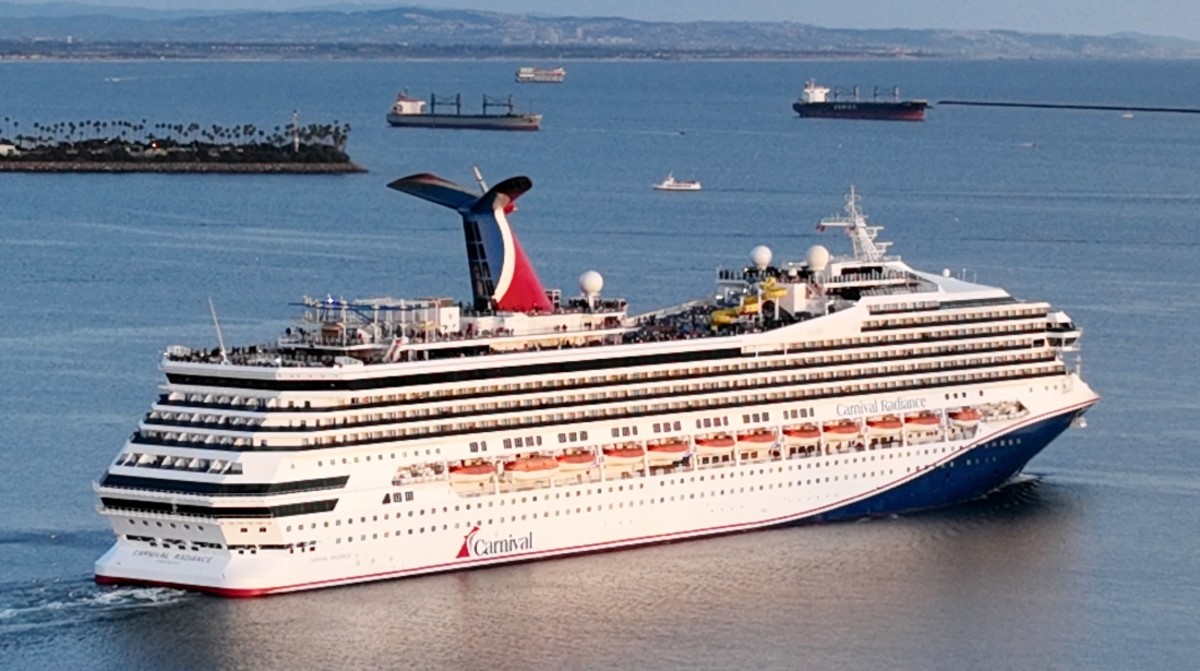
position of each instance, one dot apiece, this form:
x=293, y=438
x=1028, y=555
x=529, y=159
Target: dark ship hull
x=906, y=110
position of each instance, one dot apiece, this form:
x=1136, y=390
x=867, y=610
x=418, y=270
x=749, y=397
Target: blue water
x=1090, y=564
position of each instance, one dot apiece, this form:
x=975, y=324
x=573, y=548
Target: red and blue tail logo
x=501, y=276
x=465, y=550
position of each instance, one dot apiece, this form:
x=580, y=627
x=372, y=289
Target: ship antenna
x=483, y=187
x=220, y=339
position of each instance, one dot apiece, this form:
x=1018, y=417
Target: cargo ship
x=541, y=75
x=408, y=112
x=821, y=102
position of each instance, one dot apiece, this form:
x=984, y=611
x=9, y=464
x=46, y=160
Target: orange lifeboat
x=717, y=445
x=966, y=418
x=923, y=422
x=666, y=453
x=477, y=472
x=531, y=468
x=803, y=435
x=838, y=432
x=576, y=461
x=885, y=426
x=619, y=456
x=756, y=438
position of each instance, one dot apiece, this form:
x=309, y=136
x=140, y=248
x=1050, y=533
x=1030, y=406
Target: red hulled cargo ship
x=820, y=102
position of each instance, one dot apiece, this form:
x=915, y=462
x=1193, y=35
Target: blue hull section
x=965, y=477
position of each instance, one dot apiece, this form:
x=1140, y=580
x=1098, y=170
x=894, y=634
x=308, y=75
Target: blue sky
x=1179, y=18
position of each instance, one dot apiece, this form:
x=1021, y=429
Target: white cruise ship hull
x=565, y=519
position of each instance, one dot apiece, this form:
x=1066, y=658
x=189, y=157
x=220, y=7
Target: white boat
x=672, y=184
x=389, y=437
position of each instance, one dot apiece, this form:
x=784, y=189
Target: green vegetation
x=124, y=142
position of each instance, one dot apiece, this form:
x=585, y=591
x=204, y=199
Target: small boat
x=622, y=456
x=477, y=472
x=884, y=426
x=531, y=468
x=803, y=435
x=672, y=184
x=666, y=453
x=836, y=432
x=966, y=417
x=717, y=445
x=576, y=461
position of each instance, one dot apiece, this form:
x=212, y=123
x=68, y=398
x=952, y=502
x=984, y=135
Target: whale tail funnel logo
x=501, y=276
x=465, y=550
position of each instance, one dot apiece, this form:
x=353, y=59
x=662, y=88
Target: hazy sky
x=1180, y=18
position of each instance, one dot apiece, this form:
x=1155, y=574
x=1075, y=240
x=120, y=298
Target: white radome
x=817, y=258
x=761, y=256
x=591, y=282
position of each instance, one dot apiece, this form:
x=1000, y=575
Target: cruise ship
x=384, y=437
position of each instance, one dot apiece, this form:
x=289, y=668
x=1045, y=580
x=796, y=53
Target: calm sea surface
x=1092, y=563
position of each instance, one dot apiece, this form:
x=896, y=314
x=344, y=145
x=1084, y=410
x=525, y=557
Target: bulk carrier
x=408, y=112
x=820, y=102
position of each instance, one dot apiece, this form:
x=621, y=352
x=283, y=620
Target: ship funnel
x=501, y=276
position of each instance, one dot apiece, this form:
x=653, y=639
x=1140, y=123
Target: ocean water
x=1090, y=562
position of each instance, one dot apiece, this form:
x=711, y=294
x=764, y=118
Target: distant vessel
x=672, y=184
x=410, y=113
x=820, y=102
x=541, y=75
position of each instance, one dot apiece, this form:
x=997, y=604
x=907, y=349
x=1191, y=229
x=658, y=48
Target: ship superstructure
x=386, y=437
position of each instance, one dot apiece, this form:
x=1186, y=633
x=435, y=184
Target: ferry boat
x=409, y=112
x=821, y=102
x=386, y=437
x=541, y=75
x=672, y=184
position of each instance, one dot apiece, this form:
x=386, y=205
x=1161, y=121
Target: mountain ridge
x=498, y=32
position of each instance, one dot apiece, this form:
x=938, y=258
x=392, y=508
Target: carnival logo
x=473, y=546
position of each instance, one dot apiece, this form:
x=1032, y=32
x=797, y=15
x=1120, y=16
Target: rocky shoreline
x=182, y=167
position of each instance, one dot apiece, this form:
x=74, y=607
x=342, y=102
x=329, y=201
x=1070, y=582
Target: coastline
x=181, y=167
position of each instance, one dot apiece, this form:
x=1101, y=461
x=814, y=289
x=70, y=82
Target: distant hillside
x=375, y=31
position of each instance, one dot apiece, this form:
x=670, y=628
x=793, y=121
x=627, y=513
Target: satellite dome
x=761, y=256
x=945, y=272
x=591, y=282
x=818, y=258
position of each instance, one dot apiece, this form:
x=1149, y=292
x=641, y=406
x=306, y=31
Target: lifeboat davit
x=966, y=417
x=837, y=432
x=719, y=445
x=804, y=435
x=884, y=426
x=923, y=422
x=531, y=468
x=576, y=461
x=619, y=456
x=479, y=472
x=666, y=453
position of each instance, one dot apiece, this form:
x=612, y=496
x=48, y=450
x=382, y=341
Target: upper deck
x=512, y=313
